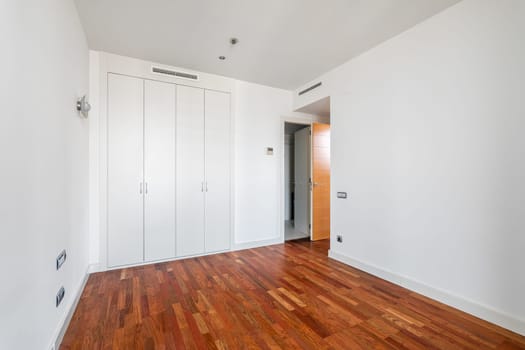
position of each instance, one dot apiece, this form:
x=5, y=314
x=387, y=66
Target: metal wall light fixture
x=83, y=106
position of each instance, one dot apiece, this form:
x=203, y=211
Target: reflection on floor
x=290, y=232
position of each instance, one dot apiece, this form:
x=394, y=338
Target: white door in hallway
x=302, y=151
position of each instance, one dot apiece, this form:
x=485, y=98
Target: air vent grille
x=173, y=73
x=315, y=86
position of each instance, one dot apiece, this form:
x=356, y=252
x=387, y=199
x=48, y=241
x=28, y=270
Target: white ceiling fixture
x=233, y=41
x=284, y=43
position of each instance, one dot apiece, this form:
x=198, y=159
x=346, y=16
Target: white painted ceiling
x=282, y=43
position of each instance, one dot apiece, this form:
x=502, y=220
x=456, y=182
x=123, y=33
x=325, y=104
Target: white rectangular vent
x=315, y=86
x=164, y=71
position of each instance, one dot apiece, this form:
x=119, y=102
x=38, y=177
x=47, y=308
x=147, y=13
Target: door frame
x=294, y=120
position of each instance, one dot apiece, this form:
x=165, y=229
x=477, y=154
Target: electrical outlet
x=60, y=296
x=340, y=238
x=61, y=259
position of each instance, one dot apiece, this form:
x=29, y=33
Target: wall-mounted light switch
x=61, y=259
x=342, y=195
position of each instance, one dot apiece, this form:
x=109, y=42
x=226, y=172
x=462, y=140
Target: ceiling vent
x=315, y=86
x=173, y=73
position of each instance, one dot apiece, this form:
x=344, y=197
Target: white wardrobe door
x=159, y=170
x=125, y=170
x=190, y=170
x=218, y=167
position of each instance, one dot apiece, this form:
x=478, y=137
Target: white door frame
x=295, y=120
x=303, y=176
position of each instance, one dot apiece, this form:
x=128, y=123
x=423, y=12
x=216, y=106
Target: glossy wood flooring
x=288, y=296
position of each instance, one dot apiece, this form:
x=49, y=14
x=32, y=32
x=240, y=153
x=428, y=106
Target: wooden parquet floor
x=288, y=296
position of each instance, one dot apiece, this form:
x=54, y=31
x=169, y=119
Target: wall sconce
x=83, y=106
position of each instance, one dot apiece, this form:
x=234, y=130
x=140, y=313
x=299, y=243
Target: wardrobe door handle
x=206, y=186
x=202, y=186
x=146, y=188
x=140, y=188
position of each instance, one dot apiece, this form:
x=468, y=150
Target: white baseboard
x=239, y=246
x=257, y=244
x=484, y=312
x=71, y=307
x=92, y=268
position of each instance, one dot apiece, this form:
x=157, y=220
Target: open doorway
x=296, y=180
x=306, y=181
x=306, y=175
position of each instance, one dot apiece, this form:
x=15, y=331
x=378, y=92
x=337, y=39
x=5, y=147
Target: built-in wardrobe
x=168, y=170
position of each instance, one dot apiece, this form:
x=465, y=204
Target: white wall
x=427, y=138
x=44, y=175
x=94, y=159
x=260, y=112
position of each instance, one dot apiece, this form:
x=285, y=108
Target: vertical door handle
x=141, y=188
x=206, y=186
x=146, y=188
x=202, y=186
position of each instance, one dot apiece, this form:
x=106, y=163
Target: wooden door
x=125, y=170
x=320, y=181
x=217, y=166
x=190, y=171
x=159, y=170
